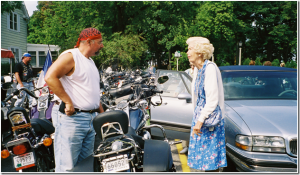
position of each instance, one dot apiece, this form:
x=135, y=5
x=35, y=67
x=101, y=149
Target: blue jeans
x=28, y=86
x=74, y=138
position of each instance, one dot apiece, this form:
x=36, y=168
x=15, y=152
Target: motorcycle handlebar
x=15, y=92
x=157, y=91
x=28, y=92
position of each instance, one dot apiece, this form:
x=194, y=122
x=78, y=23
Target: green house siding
x=11, y=38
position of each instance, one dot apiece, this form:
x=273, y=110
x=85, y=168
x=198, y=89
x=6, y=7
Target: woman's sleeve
x=211, y=92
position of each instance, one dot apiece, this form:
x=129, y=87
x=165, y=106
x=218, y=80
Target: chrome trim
x=256, y=161
x=113, y=152
x=289, y=146
x=111, y=126
x=242, y=166
x=173, y=126
x=17, y=142
x=160, y=127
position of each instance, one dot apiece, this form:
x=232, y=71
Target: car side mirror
x=185, y=96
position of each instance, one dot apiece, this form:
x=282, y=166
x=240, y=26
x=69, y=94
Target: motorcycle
x=123, y=148
x=31, y=145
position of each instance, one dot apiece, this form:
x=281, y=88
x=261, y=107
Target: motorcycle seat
x=109, y=117
x=43, y=126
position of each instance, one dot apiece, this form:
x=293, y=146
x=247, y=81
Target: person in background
x=24, y=75
x=74, y=78
x=207, y=150
x=282, y=65
x=252, y=63
x=267, y=63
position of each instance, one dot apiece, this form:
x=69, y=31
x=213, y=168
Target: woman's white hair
x=201, y=45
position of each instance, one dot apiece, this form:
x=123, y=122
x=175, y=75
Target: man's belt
x=89, y=111
x=62, y=109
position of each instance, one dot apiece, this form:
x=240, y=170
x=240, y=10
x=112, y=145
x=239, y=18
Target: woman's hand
x=196, y=129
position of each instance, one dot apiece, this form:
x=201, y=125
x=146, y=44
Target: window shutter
x=18, y=22
x=8, y=21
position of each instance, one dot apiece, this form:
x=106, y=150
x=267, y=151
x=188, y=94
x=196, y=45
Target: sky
x=31, y=6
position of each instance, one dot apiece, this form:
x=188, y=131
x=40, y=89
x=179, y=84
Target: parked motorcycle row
x=124, y=129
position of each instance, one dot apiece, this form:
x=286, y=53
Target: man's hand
x=196, y=129
x=69, y=109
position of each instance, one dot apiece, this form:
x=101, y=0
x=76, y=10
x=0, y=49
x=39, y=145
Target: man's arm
x=19, y=79
x=64, y=65
x=101, y=108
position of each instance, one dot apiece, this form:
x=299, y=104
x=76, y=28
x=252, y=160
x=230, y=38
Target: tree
x=10, y=6
x=266, y=29
x=276, y=62
x=129, y=48
x=246, y=61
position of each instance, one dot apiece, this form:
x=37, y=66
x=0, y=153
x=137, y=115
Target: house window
x=54, y=55
x=13, y=21
x=16, y=52
x=33, y=58
x=42, y=58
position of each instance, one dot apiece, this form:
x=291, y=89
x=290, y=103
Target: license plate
x=115, y=164
x=24, y=160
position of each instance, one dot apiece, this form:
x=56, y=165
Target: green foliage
x=183, y=62
x=154, y=30
x=257, y=62
x=225, y=64
x=128, y=48
x=291, y=64
x=246, y=61
x=10, y=6
x=276, y=62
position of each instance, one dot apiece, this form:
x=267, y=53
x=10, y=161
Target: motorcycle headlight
x=260, y=143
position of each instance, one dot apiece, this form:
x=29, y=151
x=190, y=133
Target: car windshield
x=179, y=82
x=259, y=85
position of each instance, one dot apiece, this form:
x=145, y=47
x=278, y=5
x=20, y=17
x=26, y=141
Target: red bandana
x=89, y=33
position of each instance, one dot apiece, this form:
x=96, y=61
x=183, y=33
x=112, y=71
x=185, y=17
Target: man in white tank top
x=74, y=78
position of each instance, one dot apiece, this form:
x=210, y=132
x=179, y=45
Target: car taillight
x=4, y=154
x=20, y=149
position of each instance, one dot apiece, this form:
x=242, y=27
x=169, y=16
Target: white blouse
x=213, y=91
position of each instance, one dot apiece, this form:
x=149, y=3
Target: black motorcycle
x=125, y=149
x=31, y=145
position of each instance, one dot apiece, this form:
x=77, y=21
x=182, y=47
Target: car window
x=178, y=83
x=259, y=85
x=188, y=81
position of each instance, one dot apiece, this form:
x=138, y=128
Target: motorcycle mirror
x=162, y=79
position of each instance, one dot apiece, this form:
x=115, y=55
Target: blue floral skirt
x=208, y=151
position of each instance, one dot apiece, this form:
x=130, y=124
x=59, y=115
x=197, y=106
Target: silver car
x=260, y=120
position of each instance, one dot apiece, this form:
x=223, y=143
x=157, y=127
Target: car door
x=173, y=114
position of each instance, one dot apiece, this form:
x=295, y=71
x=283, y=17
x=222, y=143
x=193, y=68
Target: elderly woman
x=207, y=144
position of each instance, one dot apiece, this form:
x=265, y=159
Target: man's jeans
x=30, y=87
x=74, y=138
